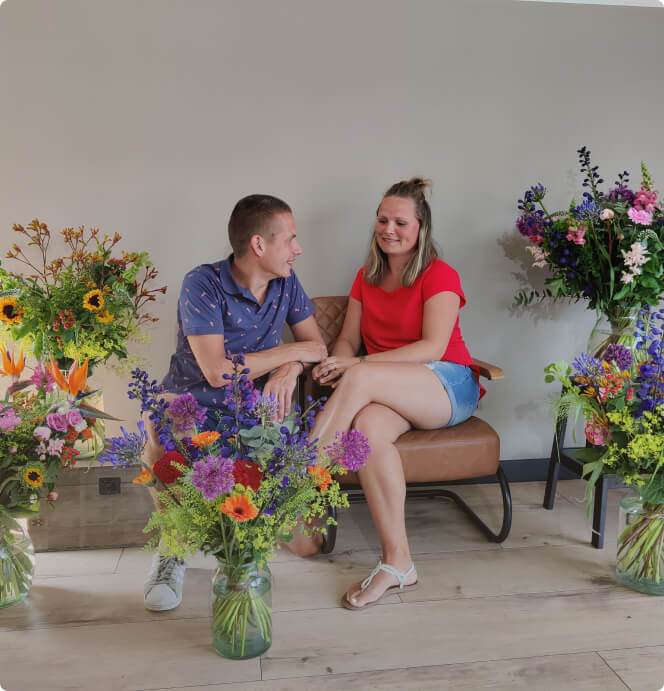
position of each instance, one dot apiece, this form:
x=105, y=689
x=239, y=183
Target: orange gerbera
x=239, y=507
x=203, y=439
x=12, y=367
x=74, y=383
x=321, y=476
x=144, y=478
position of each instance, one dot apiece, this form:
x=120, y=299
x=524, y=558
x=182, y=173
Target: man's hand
x=309, y=351
x=281, y=385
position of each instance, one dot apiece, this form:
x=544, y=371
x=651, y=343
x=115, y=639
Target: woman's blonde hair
x=376, y=264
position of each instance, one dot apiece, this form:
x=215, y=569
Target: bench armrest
x=488, y=370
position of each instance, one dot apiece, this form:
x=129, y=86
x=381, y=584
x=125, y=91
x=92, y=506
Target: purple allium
x=619, y=354
x=351, y=449
x=213, y=476
x=266, y=407
x=186, y=412
x=42, y=377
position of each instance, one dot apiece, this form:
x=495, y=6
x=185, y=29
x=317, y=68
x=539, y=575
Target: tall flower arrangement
x=606, y=248
x=43, y=419
x=238, y=491
x=621, y=398
x=85, y=305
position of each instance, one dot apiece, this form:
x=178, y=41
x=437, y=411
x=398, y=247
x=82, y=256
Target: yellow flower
x=33, y=477
x=105, y=317
x=10, y=312
x=93, y=301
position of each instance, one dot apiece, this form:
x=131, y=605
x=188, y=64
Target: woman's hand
x=330, y=369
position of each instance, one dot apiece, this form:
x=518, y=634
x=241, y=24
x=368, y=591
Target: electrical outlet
x=109, y=485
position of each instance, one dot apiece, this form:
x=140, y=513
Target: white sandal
x=401, y=576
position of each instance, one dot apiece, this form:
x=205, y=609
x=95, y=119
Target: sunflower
x=105, y=317
x=93, y=301
x=33, y=476
x=10, y=312
x=321, y=476
x=239, y=507
x=203, y=439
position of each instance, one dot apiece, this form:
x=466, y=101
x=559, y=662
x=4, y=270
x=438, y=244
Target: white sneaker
x=163, y=586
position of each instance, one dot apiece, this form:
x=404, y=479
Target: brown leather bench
x=430, y=458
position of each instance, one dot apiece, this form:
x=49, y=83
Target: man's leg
x=163, y=585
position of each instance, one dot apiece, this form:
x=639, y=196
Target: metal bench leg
x=507, y=509
x=599, y=512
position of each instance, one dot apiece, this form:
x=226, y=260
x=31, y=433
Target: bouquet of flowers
x=606, y=249
x=621, y=398
x=84, y=306
x=41, y=420
x=236, y=492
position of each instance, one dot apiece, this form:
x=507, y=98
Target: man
x=239, y=305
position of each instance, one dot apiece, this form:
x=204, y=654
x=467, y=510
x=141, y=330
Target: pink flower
x=576, y=235
x=539, y=255
x=639, y=216
x=606, y=214
x=9, y=420
x=42, y=433
x=645, y=200
x=42, y=377
x=52, y=496
x=75, y=420
x=57, y=422
x=55, y=447
x=597, y=435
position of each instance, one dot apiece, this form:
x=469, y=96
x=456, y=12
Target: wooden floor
x=540, y=612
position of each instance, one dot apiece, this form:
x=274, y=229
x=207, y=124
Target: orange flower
x=203, y=439
x=74, y=383
x=12, y=367
x=239, y=507
x=321, y=476
x=144, y=478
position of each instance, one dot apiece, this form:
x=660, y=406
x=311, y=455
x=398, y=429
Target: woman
x=404, y=305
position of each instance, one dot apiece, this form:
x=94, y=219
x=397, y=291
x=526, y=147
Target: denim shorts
x=462, y=387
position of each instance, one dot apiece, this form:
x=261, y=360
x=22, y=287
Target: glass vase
x=241, y=610
x=617, y=327
x=17, y=560
x=640, y=563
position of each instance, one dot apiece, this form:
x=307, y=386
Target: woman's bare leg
x=384, y=401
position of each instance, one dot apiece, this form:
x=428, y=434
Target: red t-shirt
x=392, y=319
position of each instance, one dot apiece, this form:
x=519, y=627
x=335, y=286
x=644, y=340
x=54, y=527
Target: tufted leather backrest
x=330, y=313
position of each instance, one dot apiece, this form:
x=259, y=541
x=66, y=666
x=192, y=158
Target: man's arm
x=209, y=352
x=283, y=381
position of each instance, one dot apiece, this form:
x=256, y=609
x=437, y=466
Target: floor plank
x=642, y=669
x=120, y=657
x=309, y=643
x=574, y=672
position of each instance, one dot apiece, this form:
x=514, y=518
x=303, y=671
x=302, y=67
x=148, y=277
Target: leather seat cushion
x=468, y=450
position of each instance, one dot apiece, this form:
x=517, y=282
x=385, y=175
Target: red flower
x=247, y=473
x=164, y=469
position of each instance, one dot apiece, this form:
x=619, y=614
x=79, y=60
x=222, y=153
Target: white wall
x=152, y=117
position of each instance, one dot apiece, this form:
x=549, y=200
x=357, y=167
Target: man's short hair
x=251, y=216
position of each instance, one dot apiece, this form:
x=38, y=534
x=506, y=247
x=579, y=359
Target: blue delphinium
x=650, y=341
